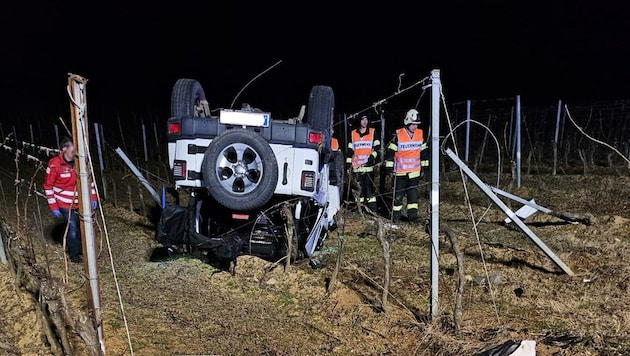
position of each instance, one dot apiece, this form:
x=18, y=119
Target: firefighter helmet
x=412, y=117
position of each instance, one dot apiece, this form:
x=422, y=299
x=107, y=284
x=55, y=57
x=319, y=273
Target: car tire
x=320, y=111
x=339, y=164
x=240, y=170
x=187, y=98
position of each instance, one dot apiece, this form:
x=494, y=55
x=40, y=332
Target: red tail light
x=174, y=128
x=179, y=170
x=314, y=137
x=240, y=216
x=308, y=181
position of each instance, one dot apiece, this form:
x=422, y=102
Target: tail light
x=314, y=137
x=174, y=128
x=240, y=216
x=308, y=181
x=179, y=170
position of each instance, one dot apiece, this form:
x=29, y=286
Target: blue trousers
x=73, y=239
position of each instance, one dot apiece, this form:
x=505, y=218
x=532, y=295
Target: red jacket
x=60, y=185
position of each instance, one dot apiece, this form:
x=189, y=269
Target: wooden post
x=130, y=198
x=142, y=204
x=114, y=191
x=77, y=90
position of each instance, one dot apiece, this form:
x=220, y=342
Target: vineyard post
x=157, y=142
x=56, y=134
x=30, y=128
x=436, y=89
x=518, y=141
x=100, y=158
x=555, y=138
x=144, y=141
x=77, y=91
x=467, y=151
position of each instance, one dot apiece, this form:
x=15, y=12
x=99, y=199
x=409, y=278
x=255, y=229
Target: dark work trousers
x=73, y=239
x=366, y=196
x=408, y=187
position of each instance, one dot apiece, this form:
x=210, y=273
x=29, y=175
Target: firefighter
x=61, y=192
x=403, y=161
x=362, y=157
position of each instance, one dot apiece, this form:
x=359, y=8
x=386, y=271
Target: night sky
x=573, y=50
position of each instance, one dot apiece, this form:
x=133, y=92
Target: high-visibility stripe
x=397, y=207
x=349, y=160
x=406, y=167
x=64, y=200
x=425, y=163
x=49, y=191
x=67, y=193
x=372, y=200
x=393, y=147
x=412, y=206
x=363, y=169
x=52, y=200
x=389, y=164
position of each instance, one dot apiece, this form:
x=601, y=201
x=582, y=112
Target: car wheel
x=320, y=111
x=189, y=99
x=240, y=170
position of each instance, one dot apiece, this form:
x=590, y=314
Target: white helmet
x=412, y=117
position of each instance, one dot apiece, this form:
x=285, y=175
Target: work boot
x=414, y=218
x=395, y=217
x=373, y=207
x=76, y=259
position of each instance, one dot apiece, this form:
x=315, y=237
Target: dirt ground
x=185, y=306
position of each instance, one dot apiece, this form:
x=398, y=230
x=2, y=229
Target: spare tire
x=240, y=170
x=188, y=99
x=320, y=111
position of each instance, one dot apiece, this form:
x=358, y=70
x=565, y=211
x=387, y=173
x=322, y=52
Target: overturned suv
x=254, y=184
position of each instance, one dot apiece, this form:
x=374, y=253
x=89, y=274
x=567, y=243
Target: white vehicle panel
x=193, y=161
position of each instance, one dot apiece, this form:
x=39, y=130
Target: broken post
x=139, y=175
x=509, y=213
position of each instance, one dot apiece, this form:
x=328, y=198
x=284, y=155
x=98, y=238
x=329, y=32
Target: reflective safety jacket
x=361, y=147
x=403, y=153
x=60, y=185
x=334, y=144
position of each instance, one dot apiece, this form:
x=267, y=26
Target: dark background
x=133, y=52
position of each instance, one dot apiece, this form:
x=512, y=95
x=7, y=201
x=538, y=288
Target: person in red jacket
x=61, y=192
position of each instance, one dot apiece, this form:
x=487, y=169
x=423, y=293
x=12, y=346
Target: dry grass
x=182, y=306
